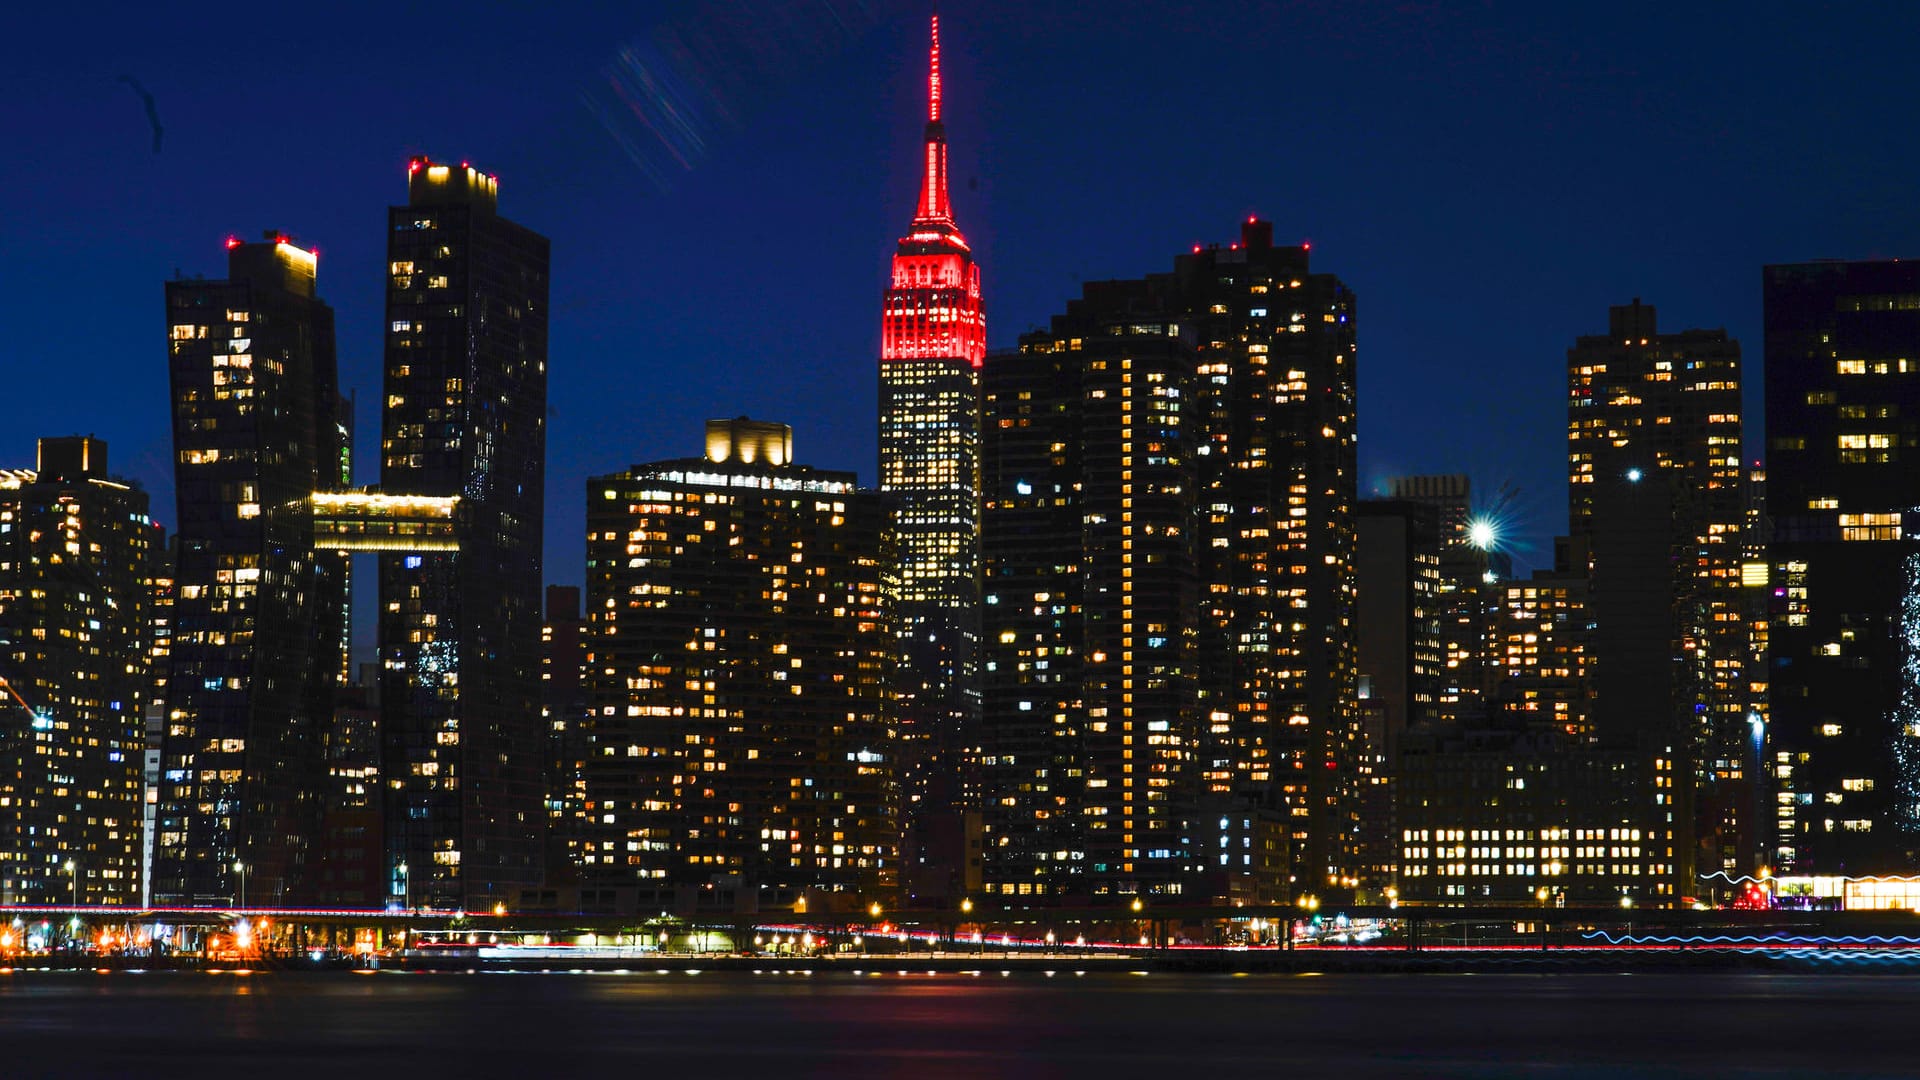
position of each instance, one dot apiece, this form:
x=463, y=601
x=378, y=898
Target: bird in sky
x=153, y=111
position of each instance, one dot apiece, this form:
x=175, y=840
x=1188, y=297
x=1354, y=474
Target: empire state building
x=933, y=341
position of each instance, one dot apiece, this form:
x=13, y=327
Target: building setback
x=258, y=616
x=76, y=557
x=464, y=749
x=1843, y=466
x=740, y=654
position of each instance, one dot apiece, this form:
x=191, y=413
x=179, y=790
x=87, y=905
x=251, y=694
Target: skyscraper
x=933, y=341
x=76, y=555
x=1655, y=491
x=464, y=749
x=740, y=652
x=1092, y=606
x=1843, y=466
x=1277, y=402
x=257, y=614
x=1465, y=609
x=1231, y=485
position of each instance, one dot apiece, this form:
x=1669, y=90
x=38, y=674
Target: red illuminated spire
x=933, y=308
x=934, y=207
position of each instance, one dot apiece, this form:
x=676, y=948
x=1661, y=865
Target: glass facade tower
x=465, y=417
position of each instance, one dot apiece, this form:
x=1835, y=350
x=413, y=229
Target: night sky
x=1488, y=178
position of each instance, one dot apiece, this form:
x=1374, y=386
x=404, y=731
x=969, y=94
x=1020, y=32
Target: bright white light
x=1490, y=577
x=1633, y=476
x=1482, y=534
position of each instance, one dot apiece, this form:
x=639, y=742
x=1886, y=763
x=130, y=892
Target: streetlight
x=75, y=877
x=406, y=886
x=241, y=869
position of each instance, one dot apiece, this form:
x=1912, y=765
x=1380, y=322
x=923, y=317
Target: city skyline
x=1515, y=194
x=1054, y=697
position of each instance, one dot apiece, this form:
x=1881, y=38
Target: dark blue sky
x=1487, y=177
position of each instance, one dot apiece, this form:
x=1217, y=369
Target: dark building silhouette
x=563, y=709
x=1397, y=576
x=1399, y=659
x=933, y=340
x=258, y=615
x=464, y=752
x=1843, y=469
x=352, y=852
x=740, y=654
x=77, y=554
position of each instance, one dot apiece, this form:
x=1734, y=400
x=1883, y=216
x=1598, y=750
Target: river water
x=740, y=1025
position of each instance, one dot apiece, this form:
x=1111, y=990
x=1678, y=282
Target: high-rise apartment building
x=1033, y=654
x=464, y=752
x=1276, y=400
x=258, y=615
x=76, y=555
x=1541, y=640
x=1471, y=563
x=740, y=655
x=1655, y=491
x=1091, y=606
x=1233, y=653
x=1843, y=466
x=933, y=341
